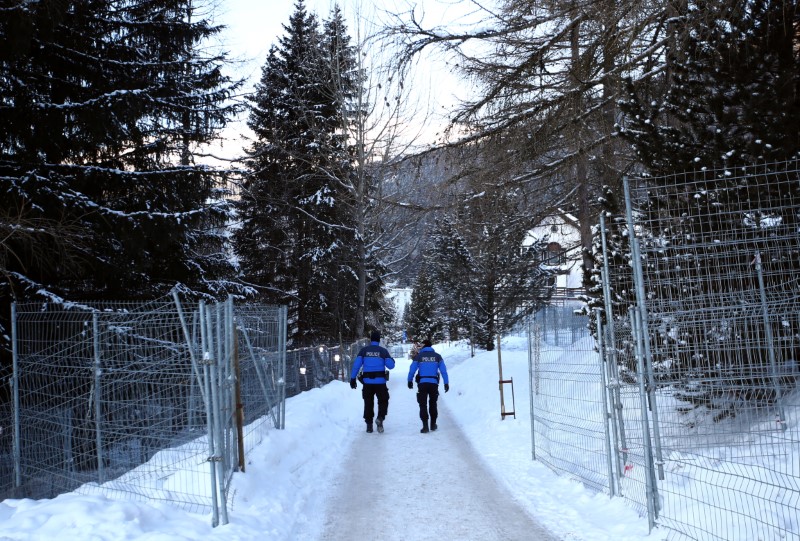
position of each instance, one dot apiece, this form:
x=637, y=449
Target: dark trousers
x=369, y=392
x=428, y=392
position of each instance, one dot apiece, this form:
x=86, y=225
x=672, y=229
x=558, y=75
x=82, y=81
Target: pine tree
x=349, y=259
x=732, y=105
x=274, y=232
x=452, y=272
x=298, y=243
x=363, y=211
x=731, y=94
x=421, y=319
x=483, y=265
x=103, y=104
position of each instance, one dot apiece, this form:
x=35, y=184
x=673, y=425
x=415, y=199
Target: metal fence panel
x=701, y=375
x=718, y=293
x=142, y=401
x=719, y=261
x=262, y=362
x=566, y=395
x=100, y=392
x=152, y=400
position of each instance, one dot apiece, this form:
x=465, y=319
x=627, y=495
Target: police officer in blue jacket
x=429, y=364
x=372, y=361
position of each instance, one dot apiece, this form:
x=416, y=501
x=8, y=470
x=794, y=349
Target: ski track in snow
x=403, y=485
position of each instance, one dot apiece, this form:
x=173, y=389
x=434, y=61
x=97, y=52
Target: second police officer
x=429, y=364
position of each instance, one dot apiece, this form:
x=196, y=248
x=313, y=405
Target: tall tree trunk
x=581, y=163
x=362, y=285
x=610, y=173
x=362, y=199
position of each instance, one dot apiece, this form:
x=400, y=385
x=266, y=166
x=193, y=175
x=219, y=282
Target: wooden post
x=238, y=398
x=500, y=381
x=472, y=337
x=503, y=411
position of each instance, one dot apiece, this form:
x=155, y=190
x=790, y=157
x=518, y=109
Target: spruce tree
x=298, y=244
x=421, y=318
x=729, y=118
x=103, y=105
x=340, y=289
x=452, y=272
x=731, y=91
x=480, y=259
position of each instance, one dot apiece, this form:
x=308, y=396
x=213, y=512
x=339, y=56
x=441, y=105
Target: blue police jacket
x=430, y=364
x=375, y=360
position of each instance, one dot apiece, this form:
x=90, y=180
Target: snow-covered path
x=403, y=485
x=323, y=478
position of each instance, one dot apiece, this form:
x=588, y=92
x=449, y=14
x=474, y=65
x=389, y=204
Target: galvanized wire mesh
x=261, y=351
x=719, y=292
x=312, y=367
x=6, y=448
x=698, y=382
x=566, y=396
x=587, y=420
x=90, y=383
x=142, y=401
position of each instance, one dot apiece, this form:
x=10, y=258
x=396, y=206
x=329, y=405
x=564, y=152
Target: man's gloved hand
x=410, y=385
x=353, y=384
x=446, y=387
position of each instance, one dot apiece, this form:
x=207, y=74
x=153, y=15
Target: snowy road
x=403, y=485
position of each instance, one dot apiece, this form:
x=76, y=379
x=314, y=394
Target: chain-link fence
x=698, y=372
x=154, y=400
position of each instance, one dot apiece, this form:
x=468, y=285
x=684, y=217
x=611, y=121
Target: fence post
x=620, y=440
x=472, y=336
x=216, y=416
x=533, y=378
x=282, y=352
x=15, y=391
x=640, y=303
x=606, y=414
x=648, y=451
x=237, y=395
x=770, y=341
x=209, y=424
x=97, y=397
x=222, y=366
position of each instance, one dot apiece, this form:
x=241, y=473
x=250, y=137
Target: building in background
x=561, y=233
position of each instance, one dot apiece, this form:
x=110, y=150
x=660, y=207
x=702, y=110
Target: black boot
x=424, y=427
x=433, y=425
x=380, y=424
x=369, y=427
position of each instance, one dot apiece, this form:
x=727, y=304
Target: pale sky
x=253, y=26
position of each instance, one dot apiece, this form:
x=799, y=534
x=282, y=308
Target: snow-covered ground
x=298, y=480
x=292, y=476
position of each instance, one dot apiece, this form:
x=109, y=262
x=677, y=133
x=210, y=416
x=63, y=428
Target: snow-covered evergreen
x=103, y=106
x=487, y=277
x=298, y=243
x=729, y=95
